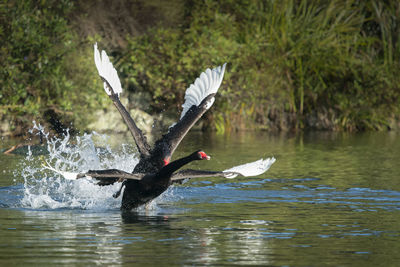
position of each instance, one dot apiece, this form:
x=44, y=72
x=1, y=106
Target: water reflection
x=123, y=238
x=330, y=198
x=68, y=239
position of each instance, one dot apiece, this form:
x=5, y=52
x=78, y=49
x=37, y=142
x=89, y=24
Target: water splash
x=43, y=189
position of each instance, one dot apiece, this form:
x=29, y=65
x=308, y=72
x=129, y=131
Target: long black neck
x=167, y=170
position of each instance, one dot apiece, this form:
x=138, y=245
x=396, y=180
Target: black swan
x=154, y=173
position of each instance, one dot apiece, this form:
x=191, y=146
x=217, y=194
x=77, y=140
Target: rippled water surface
x=329, y=199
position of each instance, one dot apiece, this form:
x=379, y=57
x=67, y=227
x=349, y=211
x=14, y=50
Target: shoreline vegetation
x=292, y=65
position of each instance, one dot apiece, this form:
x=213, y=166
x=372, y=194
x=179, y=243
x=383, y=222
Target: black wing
x=112, y=86
x=181, y=128
x=254, y=168
x=187, y=174
x=107, y=177
x=138, y=136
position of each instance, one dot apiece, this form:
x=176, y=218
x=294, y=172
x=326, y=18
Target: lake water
x=329, y=199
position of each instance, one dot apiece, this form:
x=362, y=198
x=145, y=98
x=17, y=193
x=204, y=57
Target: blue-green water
x=329, y=199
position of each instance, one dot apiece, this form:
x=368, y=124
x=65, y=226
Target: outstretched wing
x=112, y=86
x=249, y=169
x=189, y=173
x=105, y=177
x=199, y=97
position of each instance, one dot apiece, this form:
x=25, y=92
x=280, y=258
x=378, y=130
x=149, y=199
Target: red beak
x=204, y=156
x=166, y=161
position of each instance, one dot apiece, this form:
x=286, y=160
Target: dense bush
x=45, y=73
x=291, y=64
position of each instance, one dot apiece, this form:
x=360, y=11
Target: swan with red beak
x=155, y=173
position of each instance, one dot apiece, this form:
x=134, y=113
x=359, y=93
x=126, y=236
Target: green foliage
x=291, y=64
x=41, y=64
x=338, y=59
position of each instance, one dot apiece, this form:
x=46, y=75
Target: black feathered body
x=153, y=184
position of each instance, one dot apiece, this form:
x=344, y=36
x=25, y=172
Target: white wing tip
x=107, y=71
x=207, y=83
x=254, y=168
x=66, y=175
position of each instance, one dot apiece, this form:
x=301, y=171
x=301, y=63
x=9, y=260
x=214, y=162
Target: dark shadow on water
x=134, y=217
